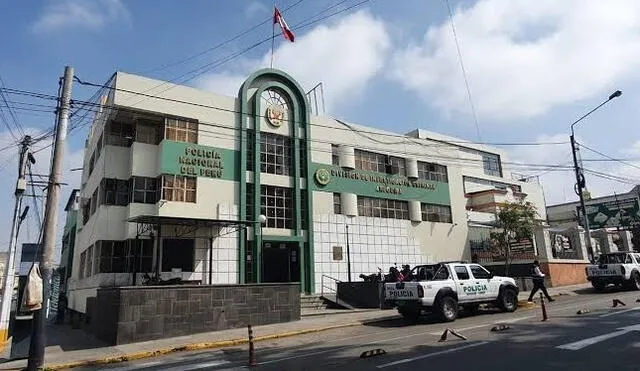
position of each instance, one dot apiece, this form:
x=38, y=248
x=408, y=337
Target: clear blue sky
x=532, y=66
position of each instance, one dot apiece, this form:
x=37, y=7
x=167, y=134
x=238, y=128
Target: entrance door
x=280, y=262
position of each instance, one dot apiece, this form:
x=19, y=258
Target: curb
x=205, y=345
x=525, y=304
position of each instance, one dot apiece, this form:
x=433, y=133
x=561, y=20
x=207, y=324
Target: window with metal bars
x=337, y=204
x=114, y=192
x=275, y=154
x=436, y=213
x=144, y=190
x=181, y=130
x=432, y=172
x=277, y=203
x=383, y=208
x=371, y=161
x=179, y=188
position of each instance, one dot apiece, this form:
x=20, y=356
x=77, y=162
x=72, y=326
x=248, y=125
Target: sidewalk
x=558, y=291
x=74, y=348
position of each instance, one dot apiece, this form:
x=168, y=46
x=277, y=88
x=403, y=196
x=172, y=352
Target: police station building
x=183, y=183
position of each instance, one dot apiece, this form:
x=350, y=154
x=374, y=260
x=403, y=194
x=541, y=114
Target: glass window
x=277, y=205
x=86, y=210
x=337, y=204
x=479, y=272
x=181, y=130
x=179, y=188
x=144, y=190
x=119, y=134
x=92, y=162
x=398, y=166
x=111, y=255
x=302, y=147
x=251, y=137
x=94, y=200
x=436, y=213
x=432, y=172
x=99, y=146
x=370, y=161
x=139, y=259
x=275, y=154
x=383, y=208
x=89, y=262
x=491, y=164
x=148, y=131
x=114, y=192
x=335, y=155
x=462, y=272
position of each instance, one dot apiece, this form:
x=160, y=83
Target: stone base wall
x=123, y=315
x=563, y=274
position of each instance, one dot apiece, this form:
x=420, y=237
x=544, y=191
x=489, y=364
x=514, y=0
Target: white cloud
x=92, y=15
x=558, y=183
x=256, y=8
x=344, y=56
x=9, y=166
x=524, y=57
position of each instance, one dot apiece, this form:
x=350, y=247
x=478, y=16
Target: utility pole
x=580, y=185
x=10, y=272
x=38, y=336
x=580, y=181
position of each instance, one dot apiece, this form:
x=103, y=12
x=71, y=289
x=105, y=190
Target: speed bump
x=583, y=311
x=372, y=353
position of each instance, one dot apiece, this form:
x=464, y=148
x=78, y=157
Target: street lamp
x=580, y=181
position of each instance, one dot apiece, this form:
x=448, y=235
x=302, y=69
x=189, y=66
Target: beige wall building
x=176, y=180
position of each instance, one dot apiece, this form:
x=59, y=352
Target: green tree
x=515, y=221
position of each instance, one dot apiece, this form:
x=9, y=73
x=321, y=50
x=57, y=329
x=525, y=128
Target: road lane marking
x=618, y=312
x=506, y=322
x=596, y=339
x=590, y=341
x=447, y=351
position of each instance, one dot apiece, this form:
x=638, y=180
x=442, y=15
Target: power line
x=16, y=123
x=212, y=65
x=217, y=46
x=609, y=157
x=349, y=127
x=464, y=71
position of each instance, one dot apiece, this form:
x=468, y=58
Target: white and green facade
x=175, y=180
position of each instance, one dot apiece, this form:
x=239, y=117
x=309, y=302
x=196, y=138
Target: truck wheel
x=634, y=281
x=409, y=314
x=508, y=300
x=447, y=309
x=598, y=286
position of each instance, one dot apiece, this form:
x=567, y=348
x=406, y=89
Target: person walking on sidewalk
x=538, y=282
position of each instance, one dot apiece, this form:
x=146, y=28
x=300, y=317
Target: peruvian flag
x=286, y=31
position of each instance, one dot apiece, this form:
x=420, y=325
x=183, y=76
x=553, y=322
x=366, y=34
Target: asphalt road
x=606, y=338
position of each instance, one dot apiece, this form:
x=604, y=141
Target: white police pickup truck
x=445, y=287
x=619, y=268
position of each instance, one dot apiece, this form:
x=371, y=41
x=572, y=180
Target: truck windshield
x=612, y=259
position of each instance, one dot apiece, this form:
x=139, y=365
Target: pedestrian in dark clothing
x=538, y=282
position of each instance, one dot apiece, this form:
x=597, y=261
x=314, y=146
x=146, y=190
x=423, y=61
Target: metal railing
x=330, y=284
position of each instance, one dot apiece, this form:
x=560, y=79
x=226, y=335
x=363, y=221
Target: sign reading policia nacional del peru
x=366, y=183
x=196, y=160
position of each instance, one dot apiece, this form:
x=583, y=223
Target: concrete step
x=312, y=302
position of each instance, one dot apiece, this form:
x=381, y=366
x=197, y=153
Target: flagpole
x=273, y=34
